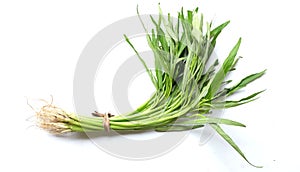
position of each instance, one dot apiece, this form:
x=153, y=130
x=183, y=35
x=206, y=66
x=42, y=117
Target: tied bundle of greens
x=188, y=88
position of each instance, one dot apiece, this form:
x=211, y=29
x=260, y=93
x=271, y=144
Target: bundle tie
x=105, y=117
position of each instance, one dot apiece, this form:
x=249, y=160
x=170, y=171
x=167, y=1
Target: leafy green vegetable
x=187, y=88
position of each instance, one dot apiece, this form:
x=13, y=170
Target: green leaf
x=221, y=74
x=197, y=34
x=154, y=81
x=211, y=120
x=215, y=32
x=196, y=123
x=171, y=33
x=235, y=62
x=229, y=104
x=214, y=35
x=226, y=137
x=138, y=13
x=229, y=61
x=190, y=16
x=243, y=83
x=160, y=33
x=176, y=128
x=206, y=77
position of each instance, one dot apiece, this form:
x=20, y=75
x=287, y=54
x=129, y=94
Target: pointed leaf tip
x=227, y=138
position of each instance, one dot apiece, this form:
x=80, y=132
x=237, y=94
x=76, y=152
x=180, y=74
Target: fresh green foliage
x=187, y=87
x=231, y=142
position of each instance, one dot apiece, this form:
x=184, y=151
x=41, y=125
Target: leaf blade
x=234, y=103
x=153, y=79
x=245, y=81
x=221, y=74
x=227, y=138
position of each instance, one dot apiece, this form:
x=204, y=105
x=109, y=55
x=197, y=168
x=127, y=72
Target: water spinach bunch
x=189, y=84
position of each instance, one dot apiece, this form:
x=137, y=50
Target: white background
x=40, y=43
